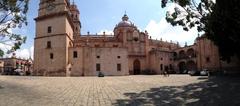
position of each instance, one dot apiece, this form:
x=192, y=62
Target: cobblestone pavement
x=122, y=90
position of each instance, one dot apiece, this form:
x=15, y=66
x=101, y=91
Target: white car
x=19, y=71
x=193, y=73
x=204, y=72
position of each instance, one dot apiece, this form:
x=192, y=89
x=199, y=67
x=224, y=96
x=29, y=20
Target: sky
x=97, y=16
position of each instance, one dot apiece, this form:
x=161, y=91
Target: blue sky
x=102, y=15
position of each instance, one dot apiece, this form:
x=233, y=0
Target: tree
x=12, y=15
x=189, y=13
x=219, y=21
x=223, y=27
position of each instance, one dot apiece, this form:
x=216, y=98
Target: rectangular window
x=97, y=45
x=98, y=57
x=118, y=57
x=115, y=45
x=51, y=55
x=118, y=67
x=170, y=67
x=49, y=45
x=208, y=60
x=98, y=67
x=75, y=54
x=49, y=29
x=161, y=67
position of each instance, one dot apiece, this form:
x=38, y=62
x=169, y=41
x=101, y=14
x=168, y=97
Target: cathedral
x=61, y=50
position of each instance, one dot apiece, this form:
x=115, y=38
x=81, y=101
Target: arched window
x=190, y=52
x=182, y=54
x=136, y=67
x=175, y=55
x=191, y=65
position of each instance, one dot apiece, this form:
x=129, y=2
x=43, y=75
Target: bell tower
x=75, y=17
x=54, y=35
x=52, y=6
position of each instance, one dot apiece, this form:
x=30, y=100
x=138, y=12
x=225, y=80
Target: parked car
x=193, y=73
x=100, y=74
x=185, y=72
x=204, y=72
x=19, y=72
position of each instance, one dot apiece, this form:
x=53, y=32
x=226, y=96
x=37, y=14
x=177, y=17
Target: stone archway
x=136, y=67
x=190, y=53
x=182, y=67
x=191, y=65
x=182, y=54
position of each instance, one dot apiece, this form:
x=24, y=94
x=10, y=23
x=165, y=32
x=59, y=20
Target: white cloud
x=5, y=47
x=20, y=53
x=164, y=30
x=107, y=32
x=23, y=53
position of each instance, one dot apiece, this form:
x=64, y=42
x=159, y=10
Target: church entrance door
x=136, y=67
x=182, y=67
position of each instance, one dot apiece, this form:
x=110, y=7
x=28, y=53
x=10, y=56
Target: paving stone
x=107, y=91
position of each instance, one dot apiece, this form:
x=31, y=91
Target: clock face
x=50, y=6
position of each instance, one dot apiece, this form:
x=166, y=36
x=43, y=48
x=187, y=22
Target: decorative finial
x=125, y=17
x=73, y=2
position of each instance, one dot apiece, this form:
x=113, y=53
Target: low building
x=9, y=65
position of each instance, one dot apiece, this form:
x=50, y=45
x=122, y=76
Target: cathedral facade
x=61, y=50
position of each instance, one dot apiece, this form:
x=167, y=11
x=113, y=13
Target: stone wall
x=108, y=58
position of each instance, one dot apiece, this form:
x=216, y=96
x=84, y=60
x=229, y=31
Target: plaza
x=119, y=91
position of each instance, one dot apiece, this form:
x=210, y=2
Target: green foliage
x=12, y=15
x=223, y=27
x=189, y=13
x=220, y=21
x=1, y=53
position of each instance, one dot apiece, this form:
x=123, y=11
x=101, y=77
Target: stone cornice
x=47, y=16
x=63, y=34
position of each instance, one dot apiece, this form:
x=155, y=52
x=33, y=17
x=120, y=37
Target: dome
x=125, y=22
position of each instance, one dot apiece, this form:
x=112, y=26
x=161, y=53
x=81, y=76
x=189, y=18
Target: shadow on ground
x=215, y=91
